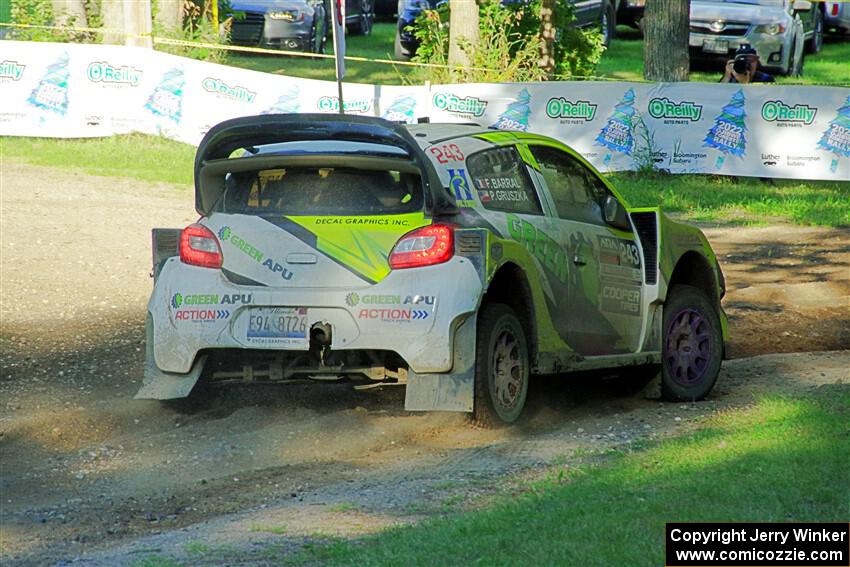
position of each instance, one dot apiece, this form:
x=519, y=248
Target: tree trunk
x=112, y=12
x=70, y=13
x=463, y=32
x=665, y=43
x=130, y=22
x=547, y=36
x=169, y=15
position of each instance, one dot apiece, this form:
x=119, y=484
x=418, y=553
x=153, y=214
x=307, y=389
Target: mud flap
x=453, y=391
x=159, y=385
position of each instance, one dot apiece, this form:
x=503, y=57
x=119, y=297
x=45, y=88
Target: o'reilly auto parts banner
x=71, y=90
x=759, y=130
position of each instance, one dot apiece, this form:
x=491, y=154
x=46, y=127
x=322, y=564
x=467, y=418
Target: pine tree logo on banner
x=166, y=100
x=402, y=109
x=516, y=116
x=286, y=103
x=618, y=133
x=51, y=93
x=836, y=138
x=729, y=131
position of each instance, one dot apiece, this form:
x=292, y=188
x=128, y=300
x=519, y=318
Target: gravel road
x=92, y=477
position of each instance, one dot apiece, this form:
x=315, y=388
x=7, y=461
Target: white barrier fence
x=75, y=90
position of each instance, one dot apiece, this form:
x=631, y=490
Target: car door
x=511, y=202
x=605, y=287
x=587, y=12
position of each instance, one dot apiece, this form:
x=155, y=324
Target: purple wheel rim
x=688, y=346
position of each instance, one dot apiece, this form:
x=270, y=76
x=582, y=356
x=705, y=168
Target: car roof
x=428, y=134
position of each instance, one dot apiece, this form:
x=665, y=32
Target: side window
x=577, y=193
x=502, y=182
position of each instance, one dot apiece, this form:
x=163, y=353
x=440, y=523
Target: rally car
x=453, y=259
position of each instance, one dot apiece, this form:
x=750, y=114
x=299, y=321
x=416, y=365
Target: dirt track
x=85, y=468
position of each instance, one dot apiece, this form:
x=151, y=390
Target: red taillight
x=835, y=9
x=424, y=246
x=199, y=247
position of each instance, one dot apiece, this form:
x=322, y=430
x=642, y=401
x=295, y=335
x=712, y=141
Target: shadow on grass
x=782, y=460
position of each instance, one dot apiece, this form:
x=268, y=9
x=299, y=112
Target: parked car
x=300, y=25
x=385, y=9
x=450, y=258
x=600, y=13
x=780, y=30
x=630, y=12
x=836, y=17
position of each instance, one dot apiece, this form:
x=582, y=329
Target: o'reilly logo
x=563, y=108
x=103, y=72
x=11, y=70
x=234, y=92
x=778, y=111
x=665, y=108
x=465, y=105
x=331, y=104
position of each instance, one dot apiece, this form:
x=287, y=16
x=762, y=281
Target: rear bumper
x=772, y=51
x=630, y=13
x=413, y=313
x=839, y=23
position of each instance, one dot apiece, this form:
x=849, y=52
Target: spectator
x=744, y=67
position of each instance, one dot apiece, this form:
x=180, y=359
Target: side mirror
x=802, y=6
x=615, y=213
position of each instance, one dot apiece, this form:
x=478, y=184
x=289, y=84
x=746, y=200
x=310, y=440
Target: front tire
x=400, y=53
x=692, y=345
x=363, y=26
x=319, y=33
x=501, y=367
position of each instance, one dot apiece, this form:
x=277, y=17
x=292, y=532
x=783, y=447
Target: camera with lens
x=741, y=65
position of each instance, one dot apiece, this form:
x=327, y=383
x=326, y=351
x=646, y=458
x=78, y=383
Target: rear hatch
x=317, y=205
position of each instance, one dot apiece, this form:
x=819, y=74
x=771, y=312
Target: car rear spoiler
x=222, y=139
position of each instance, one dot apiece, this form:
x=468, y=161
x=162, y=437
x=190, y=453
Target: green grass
x=784, y=459
x=623, y=61
x=379, y=45
x=147, y=158
x=720, y=198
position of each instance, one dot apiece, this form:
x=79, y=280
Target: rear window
x=321, y=191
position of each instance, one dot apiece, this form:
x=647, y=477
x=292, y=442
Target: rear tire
x=815, y=44
x=692, y=345
x=608, y=23
x=501, y=367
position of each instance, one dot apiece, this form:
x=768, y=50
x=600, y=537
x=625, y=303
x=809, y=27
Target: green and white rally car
x=451, y=258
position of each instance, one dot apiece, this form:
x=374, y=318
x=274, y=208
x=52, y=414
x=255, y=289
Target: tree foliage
x=509, y=47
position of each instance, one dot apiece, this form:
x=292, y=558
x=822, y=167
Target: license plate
x=715, y=46
x=285, y=326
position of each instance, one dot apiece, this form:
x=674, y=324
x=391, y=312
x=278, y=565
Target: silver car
x=837, y=17
x=778, y=29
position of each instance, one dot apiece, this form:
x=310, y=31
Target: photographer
x=744, y=67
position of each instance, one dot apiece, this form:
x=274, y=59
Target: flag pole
x=338, y=27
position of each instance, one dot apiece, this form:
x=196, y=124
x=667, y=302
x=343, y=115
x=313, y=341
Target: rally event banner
x=797, y=132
